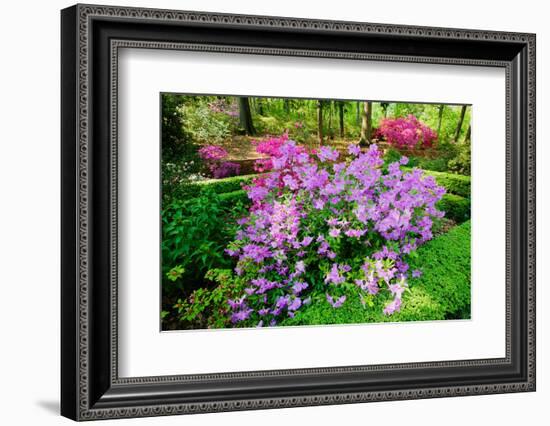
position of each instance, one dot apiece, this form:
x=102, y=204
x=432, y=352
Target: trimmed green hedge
x=442, y=292
x=453, y=183
x=446, y=265
x=219, y=186
x=230, y=184
x=455, y=207
x=229, y=199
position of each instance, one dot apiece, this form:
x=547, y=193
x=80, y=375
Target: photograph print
x=311, y=212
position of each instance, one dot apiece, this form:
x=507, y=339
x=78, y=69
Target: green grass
x=442, y=292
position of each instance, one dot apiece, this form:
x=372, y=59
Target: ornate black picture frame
x=91, y=36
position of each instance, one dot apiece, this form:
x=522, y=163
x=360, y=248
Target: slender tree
x=440, y=118
x=341, y=118
x=460, y=122
x=260, y=106
x=366, y=124
x=245, y=116
x=468, y=136
x=385, y=106
x=358, y=113
x=320, y=121
x=330, y=104
x=287, y=105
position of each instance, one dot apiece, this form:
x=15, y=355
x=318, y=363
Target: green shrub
x=455, y=207
x=205, y=126
x=230, y=199
x=195, y=233
x=230, y=184
x=446, y=266
x=417, y=306
x=207, y=307
x=392, y=155
x=177, y=143
x=462, y=163
x=435, y=164
x=454, y=183
x=442, y=292
x=218, y=186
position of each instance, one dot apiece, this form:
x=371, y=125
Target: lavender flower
x=327, y=154
x=354, y=150
x=334, y=275
x=392, y=307
x=336, y=303
x=334, y=232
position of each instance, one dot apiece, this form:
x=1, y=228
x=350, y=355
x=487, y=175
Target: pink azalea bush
x=269, y=147
x=212, y=153
x=213, y=156
x=318, y=226
x=226, y=169
x=406, y=132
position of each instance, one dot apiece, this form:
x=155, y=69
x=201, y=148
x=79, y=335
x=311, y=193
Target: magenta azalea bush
x=406, y=132
x=319, y=226
x=213, y=156
x=212, y=153
x=270, y=147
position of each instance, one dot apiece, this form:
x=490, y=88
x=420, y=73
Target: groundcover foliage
x=442, y=292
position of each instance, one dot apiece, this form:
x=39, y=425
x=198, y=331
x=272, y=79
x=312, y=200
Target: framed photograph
x=263, y=212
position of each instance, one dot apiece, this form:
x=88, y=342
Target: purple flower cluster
x=406, y=132
x=213, y=156
x=212, y=153
x=225, y=169
x=320, y=227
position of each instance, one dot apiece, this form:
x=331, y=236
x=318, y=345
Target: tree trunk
x=260, y=106
x=468, y=136
x=320, y=121
x=341, y=116
x=440, y=118
x=287, y=105
x=358, y=113
x=329, y=133
x=366, y=124
x=460, y=121
x=385, y=106
x=245, y=117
